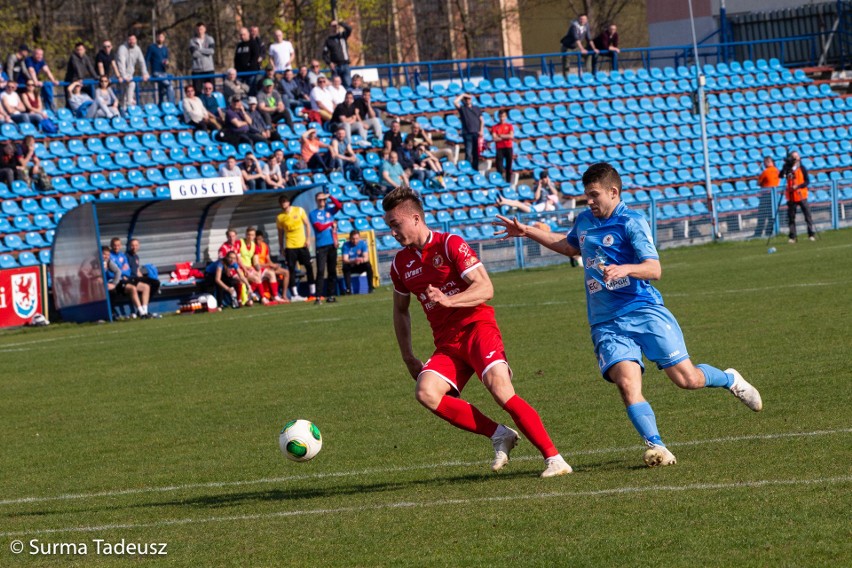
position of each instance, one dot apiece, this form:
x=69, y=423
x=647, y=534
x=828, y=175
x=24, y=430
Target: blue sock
x=716, y=377
x=643, y=419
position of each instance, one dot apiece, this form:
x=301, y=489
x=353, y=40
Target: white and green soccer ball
x=300, y=440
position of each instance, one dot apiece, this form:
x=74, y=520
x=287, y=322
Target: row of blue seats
x=22, y=222
x=32, y=240
x=25, y=259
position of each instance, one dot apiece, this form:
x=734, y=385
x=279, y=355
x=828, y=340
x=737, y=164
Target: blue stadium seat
x=8, y=261
x=35, y=240
x=44, y=256
x=43, y=221
x=30, y=205
x=14, y=242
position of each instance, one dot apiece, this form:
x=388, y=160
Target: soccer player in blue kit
x=626, y=312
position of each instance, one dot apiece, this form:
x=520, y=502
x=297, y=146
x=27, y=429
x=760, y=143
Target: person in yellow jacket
x=797, y=181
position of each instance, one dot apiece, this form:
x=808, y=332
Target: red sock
x=530, y=425
x=464, y=415
x=255, y=287
x=273, y=286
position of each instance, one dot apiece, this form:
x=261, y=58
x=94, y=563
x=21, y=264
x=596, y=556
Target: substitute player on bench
x=450, y=282
x=626, y=313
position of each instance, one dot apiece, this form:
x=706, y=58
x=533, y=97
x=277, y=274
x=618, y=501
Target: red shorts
x=474, y=349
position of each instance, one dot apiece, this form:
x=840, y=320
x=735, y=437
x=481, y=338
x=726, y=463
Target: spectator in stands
x=247, y=58
x=356, y=260
x=201, y=50
x=303, y=79
x=136, y=269
x=9, y=159
x=392, y=140
x=427, y=160
x=325, y=241
x=29, y=165
x=796, y=176
x=106, y=102
x=322, y=99
x=393, y=174
x=16, y=67
x=346, y=117
x=579, y=39
x=313, y=158
x=369, y=116
x=14, y=107
x=116, y=282
x=130, y=279
x=343, y=157
x=80, y=103
x=335, y=51
x=211, y=103
x=157, y=60
x=272, y=104
x=80, y=66
x=105, y=62
x=222, y=279
x=337, y=90
x=423, y=138
x=294, y=230
x=607, y=40
x=231, y=169
x=503, y=134
x=252, y=172
x=259, y=125
x=291, y=92
x=35, y=65
x=195, y=113
x=275, y=277
x=314, y=73
x=259, y=44
x=281, y=53
x=31, y=100
x=472, y=127
x=410, y=162
x=128, y=58
x=544, y=188
x=272, y=170
x=233, y=87
x=357, y=86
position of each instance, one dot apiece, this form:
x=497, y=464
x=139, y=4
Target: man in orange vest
x=768, y=179
x=797, y=194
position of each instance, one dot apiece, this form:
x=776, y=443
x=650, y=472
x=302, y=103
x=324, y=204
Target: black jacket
x=80, y=68
x=335, y=49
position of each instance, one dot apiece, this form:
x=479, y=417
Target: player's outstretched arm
x=402, y=328
x=557, y=242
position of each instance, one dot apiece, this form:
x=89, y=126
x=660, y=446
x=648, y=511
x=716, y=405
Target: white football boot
x=658, y=456
x=743, y=390
x=503, y=440
x=556, y=466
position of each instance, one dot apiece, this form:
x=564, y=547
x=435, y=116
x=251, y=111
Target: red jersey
x=443, y=263
x=501, y=129
x=228, y=247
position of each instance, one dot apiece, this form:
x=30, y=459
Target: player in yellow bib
x=293, y=224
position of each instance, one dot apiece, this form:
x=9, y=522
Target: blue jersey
x=623, y=238
x=322, y=220
x=214, y=266
x=120, y=260
x=355, y=251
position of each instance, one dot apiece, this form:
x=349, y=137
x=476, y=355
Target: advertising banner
x=22, y=295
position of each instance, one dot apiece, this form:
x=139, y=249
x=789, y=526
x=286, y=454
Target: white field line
x=444, y=502
x=375, y=471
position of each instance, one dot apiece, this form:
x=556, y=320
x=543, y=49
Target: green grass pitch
x=166, y=431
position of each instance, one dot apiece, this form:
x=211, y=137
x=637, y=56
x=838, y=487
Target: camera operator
x=796, y=177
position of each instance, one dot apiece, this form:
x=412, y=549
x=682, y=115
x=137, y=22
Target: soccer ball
x=300, y=440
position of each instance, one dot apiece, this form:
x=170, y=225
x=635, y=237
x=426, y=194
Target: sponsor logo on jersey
x=582, y=238
x=464, y=249
x=618, y=283
x=410, y=262
x=594, y=286
x=470, y=261
x=590, y=261
x=438, y=260
x=412, y=273
x=608, y=240
x=490, y=355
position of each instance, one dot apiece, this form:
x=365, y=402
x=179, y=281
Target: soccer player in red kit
x=445, y=275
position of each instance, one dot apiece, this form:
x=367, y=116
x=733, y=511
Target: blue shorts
x=651, y=330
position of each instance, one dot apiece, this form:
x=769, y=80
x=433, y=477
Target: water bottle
x=600, y=259
x=771, y=250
